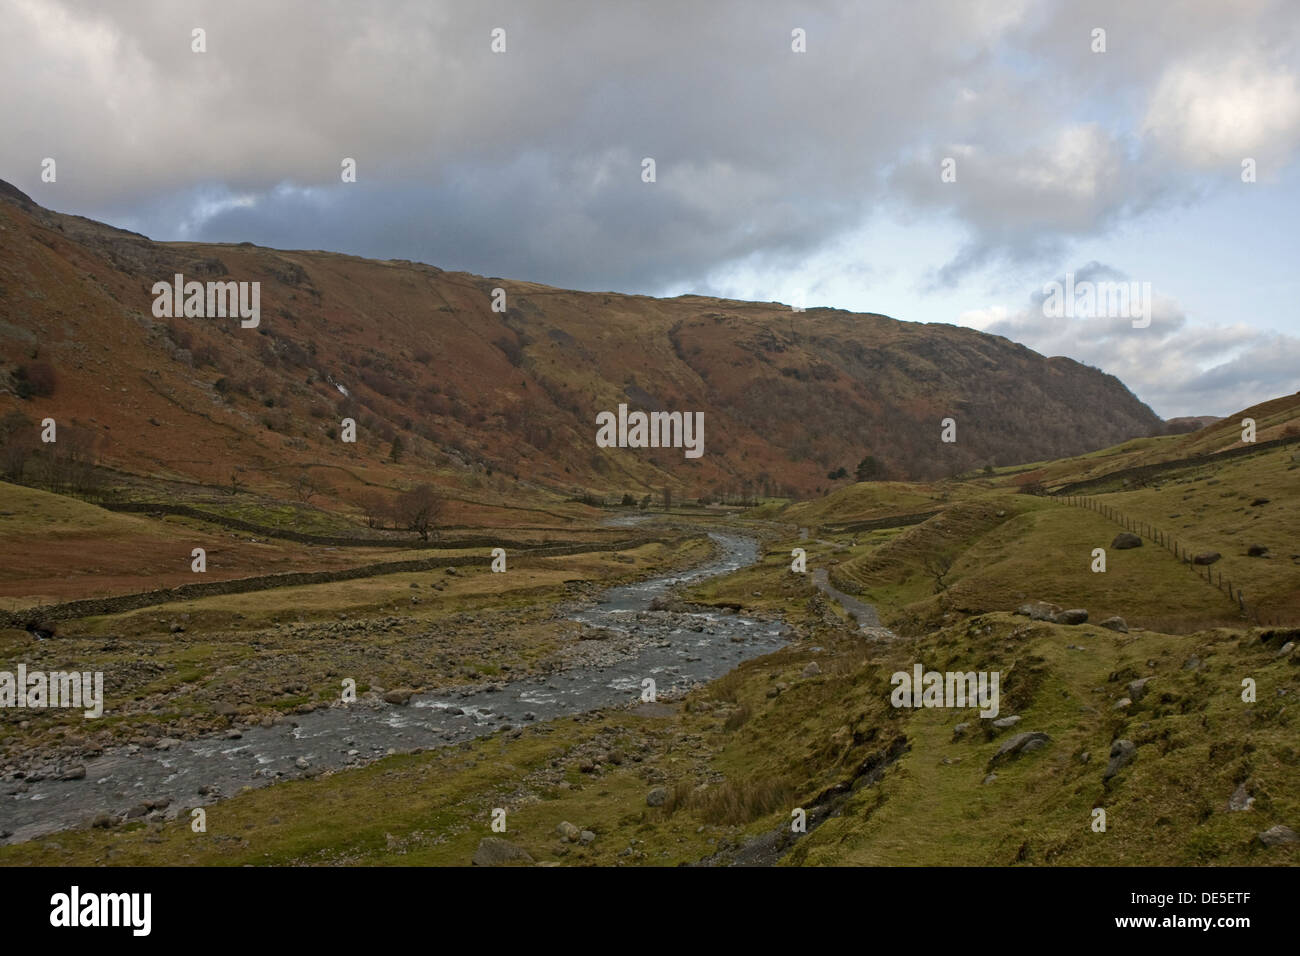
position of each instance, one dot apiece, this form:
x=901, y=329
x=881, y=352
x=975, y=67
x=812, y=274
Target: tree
x=395, y=453
x=420, y=509
x=837, y=474
x=305, y=486
x=870, y=469
x=17, y=440
x=628, y=501
x=374, y=506
x=938, y=566
x=668, y=498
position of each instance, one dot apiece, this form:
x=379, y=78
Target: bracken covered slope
x=412, y=351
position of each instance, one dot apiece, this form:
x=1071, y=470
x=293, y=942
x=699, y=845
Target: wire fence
x=1143, y=529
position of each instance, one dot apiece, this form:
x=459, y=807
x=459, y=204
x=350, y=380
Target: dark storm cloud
x=528, y=163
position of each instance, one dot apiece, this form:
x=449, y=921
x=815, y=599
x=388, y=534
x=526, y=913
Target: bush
x=35, y=380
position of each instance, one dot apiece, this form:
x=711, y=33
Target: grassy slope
x=742, y=752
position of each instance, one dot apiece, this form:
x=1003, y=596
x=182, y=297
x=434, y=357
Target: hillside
x=416, y=354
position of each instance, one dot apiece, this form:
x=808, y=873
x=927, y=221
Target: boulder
x=1256, y=551
x=1039, y=611
x=1278, y=836
x=1206, y=557
x=1075, y=615
x=1125, y=540
x=1137, y=689
x=1116, y=623
x=812, y=670
x=568, y=832
x=1240, y=799
x=1014, y=746
x=656, y=797
x=1121, y=754
x=493, y=851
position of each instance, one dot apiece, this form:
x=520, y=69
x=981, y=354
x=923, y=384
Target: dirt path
x=861, y=612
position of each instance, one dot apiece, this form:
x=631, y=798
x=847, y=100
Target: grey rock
x=493, y=851
x=1206, y=557
x=1240, y=799
x=1013, y=746
x=1003, y=722
x=568, y=832
x=1125, y=540
x=1256, y=551
x=1076, y=615
x=812, y=670
x=1278, y=836
x=399, y=697
x=657, y=797
x=959, y=731
x=1039, y=611
x=1121, y=754
x=1137, y=689
x=74, y=773
x=302, y=763
x=1116, y=623
x=586, y=837
x=989, y=779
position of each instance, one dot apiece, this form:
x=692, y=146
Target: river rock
x=493, y=851
x=399, y=697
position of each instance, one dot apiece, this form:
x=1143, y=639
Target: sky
x=932, y=160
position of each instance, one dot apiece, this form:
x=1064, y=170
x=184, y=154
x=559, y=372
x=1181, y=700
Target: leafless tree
x=420, y=510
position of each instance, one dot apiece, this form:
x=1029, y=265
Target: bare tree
x=306, y=486
x=375, y=507
x=420, y=510
x=938, y=566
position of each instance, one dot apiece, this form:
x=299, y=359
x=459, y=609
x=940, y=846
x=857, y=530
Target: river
x=678, y=650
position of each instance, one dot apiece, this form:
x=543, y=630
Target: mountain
x=417, y=354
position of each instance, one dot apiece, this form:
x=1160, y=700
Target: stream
x=678, y=650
